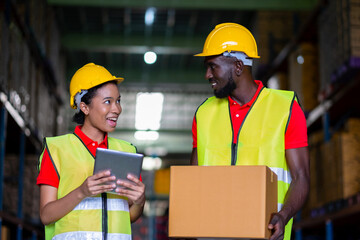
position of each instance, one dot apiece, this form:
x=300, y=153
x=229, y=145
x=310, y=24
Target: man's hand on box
x=277, y=226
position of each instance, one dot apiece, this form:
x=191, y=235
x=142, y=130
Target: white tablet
x=119, y=163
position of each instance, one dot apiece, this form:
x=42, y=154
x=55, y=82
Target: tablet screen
x=119, y=163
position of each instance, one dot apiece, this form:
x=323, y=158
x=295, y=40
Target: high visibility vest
x=260, y=140
x=104, y=216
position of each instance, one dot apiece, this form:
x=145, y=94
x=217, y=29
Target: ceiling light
x=300, y=59
x=146, y=135
x=151, y=163
x=274, y=82
x=150, y=57
x=150, y=16
x=148, y=110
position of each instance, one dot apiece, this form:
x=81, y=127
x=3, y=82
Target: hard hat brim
x=206, y=54
x=215, y=54
x=117, y=79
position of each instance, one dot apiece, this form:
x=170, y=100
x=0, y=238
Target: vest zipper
x=104, y=215
x=233, y=154
x=234, y=145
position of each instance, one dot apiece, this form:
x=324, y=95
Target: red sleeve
x=47, y=174
x=194, y=135
x=296, y=132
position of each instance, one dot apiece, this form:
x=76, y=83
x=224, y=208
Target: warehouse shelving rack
x=329, y=116
x=338, y=103
x=20, y=135
x=15, y=222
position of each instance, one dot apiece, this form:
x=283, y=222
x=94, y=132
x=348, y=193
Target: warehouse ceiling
x=114, y=33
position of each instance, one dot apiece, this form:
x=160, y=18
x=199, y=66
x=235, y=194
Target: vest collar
x=248, y=104
x=88, y=141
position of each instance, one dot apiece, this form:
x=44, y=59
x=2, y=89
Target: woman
x=73, y=202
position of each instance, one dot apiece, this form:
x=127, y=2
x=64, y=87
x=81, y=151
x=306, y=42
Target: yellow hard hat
x=227, y=37
x=87, y=77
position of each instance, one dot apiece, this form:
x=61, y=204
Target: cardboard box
x=221, y=201
x=5, y=233
x=162, y=181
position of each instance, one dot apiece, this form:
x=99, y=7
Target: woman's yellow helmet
x=87, y=77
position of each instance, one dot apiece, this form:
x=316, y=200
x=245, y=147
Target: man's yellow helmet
x=228, y=37
x=87, y=77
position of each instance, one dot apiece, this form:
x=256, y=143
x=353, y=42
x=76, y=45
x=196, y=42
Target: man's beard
x=226, y=90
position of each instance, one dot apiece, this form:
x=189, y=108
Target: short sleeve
x=194, y=134
x=296, y=132
x=47, y=174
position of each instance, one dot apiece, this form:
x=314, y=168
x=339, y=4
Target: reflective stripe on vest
x=92, y=203
x=90, y=236
x=282, y=175
x=261, y=138
x=74, y=163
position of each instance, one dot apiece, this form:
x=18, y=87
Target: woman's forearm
x=135, y=212
x=54, y=210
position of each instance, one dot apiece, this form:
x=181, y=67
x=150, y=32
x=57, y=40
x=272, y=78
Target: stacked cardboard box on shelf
x=330, y=165
x=314, y=198
x=353, y=126
x=351, y=157
x=341, y=156
x=5, y=233
x=343, y=149
x=349, y=152
x=335, y=165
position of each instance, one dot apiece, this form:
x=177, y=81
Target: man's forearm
x=295, y=197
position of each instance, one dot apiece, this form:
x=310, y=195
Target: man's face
x=219, y=73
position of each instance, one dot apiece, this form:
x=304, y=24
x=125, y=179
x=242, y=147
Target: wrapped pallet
x=304, y=75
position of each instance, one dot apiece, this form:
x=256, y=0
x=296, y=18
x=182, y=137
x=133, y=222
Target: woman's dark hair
x=79, y=117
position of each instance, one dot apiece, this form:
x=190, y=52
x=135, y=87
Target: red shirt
x=47, y=174
x=296, y=132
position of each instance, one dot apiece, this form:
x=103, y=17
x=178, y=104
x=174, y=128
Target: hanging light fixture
x=150, y=16
x=150, y=57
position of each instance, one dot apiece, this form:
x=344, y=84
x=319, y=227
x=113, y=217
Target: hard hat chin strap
x=240, y=56
x=78, y=97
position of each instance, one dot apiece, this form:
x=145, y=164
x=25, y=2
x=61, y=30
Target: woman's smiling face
x=104, y=109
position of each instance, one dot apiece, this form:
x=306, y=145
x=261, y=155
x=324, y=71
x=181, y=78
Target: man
x=248, y=124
